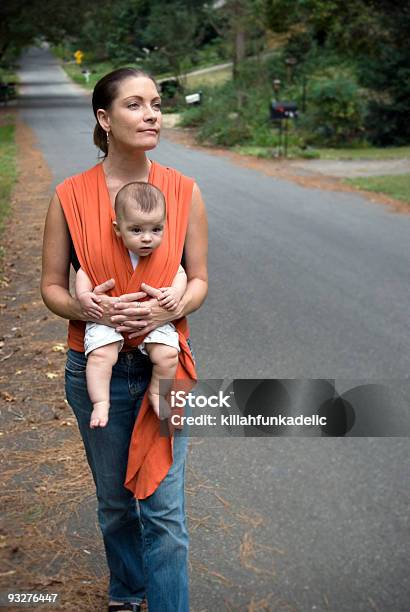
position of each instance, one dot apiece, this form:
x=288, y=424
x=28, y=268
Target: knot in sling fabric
x=89, y=214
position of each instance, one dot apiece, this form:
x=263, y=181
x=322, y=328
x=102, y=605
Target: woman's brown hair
x=104, y=94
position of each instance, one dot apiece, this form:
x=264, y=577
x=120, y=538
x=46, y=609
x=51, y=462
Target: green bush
x=264, y=135
x=237, y=112
x=217, y=117
x=193, y=117
x=389, y=108
x=62, y=51
x=336, y=109
x=276, y=68
x=224, y=131
x=214, y=52
x=308, y=154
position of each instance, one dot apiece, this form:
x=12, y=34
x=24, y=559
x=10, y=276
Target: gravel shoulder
x=45, y=476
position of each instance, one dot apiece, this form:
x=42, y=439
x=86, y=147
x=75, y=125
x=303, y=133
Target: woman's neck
x=125, y=168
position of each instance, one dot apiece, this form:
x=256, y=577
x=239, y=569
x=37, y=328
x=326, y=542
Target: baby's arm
x=88, y=300
x=170, y=296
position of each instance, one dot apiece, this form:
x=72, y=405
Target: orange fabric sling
x=102, y=255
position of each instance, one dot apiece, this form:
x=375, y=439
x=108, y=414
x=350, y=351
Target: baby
x=140, y=220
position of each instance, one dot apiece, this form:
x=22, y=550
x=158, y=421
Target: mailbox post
x=281, y=112
x=86, y=73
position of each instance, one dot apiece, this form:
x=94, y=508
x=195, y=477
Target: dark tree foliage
x=21, y=21
x=125, y=37
x=347, y=25
x=173, y=33
x=371, y=34
x=387, y=73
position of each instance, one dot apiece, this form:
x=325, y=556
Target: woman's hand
x=128, y=314
x=149, y=314
x=108, y=303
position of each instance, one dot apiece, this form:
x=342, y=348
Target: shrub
x=336, y=109
x=192, y=117
x=389, y=108
x=237, y=112
x=224, y=131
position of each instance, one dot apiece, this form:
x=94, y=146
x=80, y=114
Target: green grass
x=7, y=166
x=211, y=79
x=397, y=186
x=366, y=153
x=271, y=152
x=7, y=75
x=97, y=72
x=371, y=153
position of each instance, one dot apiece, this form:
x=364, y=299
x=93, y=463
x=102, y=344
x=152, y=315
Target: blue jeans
x=146, y=542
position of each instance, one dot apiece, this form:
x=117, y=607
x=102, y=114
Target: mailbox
x=283, y=110
x=194, y=98
x=280, y=112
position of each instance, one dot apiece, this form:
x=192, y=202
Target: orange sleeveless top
x=102, y=255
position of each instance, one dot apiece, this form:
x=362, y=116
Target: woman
x=146, y=543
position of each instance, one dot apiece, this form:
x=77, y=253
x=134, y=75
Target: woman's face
x=134, y=118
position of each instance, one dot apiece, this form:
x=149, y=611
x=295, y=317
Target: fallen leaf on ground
x=7, y=397
x=58, y=348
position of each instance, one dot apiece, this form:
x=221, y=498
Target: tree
x=387, y=72
x=240, y=22
x=174, y=32
x=350, y=26
x=22, y=21
x=15, y=30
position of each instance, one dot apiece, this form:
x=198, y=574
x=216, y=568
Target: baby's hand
x=89, y=303
x=169, y=298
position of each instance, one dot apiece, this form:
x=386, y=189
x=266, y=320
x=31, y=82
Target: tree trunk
x=3, y=48
x=239, y=51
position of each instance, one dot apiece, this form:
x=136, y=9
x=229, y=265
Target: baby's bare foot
x=99, y=415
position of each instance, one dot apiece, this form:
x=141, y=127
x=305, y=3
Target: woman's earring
x=108, y=138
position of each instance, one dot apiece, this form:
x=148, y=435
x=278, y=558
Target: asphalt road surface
x=303, y=284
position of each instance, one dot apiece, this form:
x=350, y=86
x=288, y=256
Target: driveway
x=303, y=284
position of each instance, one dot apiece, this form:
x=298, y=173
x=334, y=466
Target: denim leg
x=166, y=538
x=107, y=453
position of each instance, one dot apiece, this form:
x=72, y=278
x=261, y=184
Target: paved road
x=303, y=283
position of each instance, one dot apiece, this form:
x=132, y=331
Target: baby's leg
x=98, y=371
x=164, y=361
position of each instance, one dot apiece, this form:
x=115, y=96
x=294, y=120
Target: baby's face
x=141, y=232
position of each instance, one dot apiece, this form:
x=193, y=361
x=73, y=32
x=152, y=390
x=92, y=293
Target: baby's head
x=140, y=217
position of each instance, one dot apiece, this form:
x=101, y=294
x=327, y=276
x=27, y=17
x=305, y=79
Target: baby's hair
x=143, y=196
